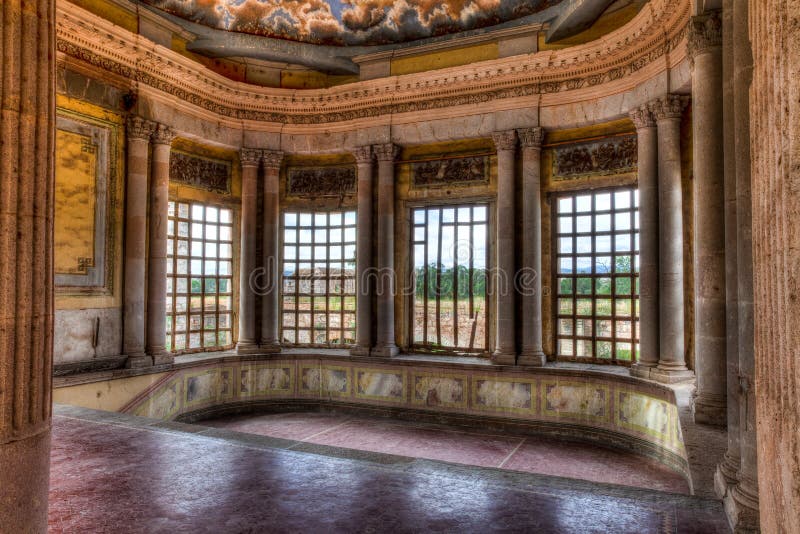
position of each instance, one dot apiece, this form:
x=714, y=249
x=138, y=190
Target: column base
x=247, y=347
x=709, y=411
x=137, y=361
x=163, y=358
x=359, y=350
x=25, y=478
x=642, y=370
x=671, y=375
x=741, y=507
x=386, y=351
x=725, y=476
x=504, y=358
x=532, y=358
x=269, y=347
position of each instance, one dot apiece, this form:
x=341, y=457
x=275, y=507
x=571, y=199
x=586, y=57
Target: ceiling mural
x=351, y=22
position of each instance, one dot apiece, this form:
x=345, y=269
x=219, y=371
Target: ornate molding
x=139, y=128
x=202, y=173
x=531, y=137
x=506, y=140
x=704, y=34
x=363, y=154
x=163, y=135
x=272, y=159
x=316, y=182
x=614, y=155
x=656, y=30
x=470, y=170
x=250, y=157
x=642, y=117
x=386, y=152
x=668, y=107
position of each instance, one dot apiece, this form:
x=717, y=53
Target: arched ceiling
x=351, y=22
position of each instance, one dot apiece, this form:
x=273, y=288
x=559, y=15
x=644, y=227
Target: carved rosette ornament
x=363, y=154
x=531, y=137
x=642, y=117
x=272, y=159
x=505, y=140
x=668, y=107
x=250, y=157
x=705, y=34
x=163, y=135
x=139, y=128
x=386, y=152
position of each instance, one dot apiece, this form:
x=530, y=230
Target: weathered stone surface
x=87, y=334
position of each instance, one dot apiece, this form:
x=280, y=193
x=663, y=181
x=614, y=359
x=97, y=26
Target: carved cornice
x=704, y=34
x=250, y=157
x=531, y=137
x=506, y=140
x=386, y=152
x=642, y=117
x=163, y=135
x=668, y=107
x=363, y=154
x=139, y=128
x=659, y=28
x=272, y=159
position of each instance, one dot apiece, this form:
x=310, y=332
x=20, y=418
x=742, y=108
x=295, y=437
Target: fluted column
x=364, y=158
x=505, y=343
x=157, y=259
x=529, y=280
x=649, y=317
x=705, y=50
x=250, y=159
x=270, y=299
x=133, y=342
x=386, y=282
x=27, y=126
x=672, y=359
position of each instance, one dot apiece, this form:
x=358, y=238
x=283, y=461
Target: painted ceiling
x=351, y=22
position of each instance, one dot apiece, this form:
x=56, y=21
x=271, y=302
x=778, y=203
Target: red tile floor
x=539, y=455
x=117, y=473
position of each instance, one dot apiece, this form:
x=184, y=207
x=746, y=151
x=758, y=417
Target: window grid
x=449, y=308
x=597, y=275
x=199, y=277
x=319, y=279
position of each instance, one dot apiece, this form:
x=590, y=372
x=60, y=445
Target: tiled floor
x=117, y=473
x=530, y=454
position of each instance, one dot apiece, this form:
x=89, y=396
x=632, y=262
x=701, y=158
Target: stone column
x=386, y=282
x=742, y=502
x=135, y=272
x=672, y=360
x=248, y=343
x=505, y=343
x=529, y=281
x=270, y=299
x=157, y=259
x=363, y=155
x=705, y=51
x=27, y=126
x=647, y=143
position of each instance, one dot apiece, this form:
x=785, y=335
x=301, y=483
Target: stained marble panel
x=439, y=391
x=266, y=380
x=503, y=395
x=380, y=385
x=575, y=400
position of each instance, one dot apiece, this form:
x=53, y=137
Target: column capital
x=642, y=117
x=705, y=34
x=386, y=151
x=272, y=159
x=163, y=135
x=250, y=157
x=138, y=128
x=531, y=137
x=506, y=140
x=363, y=154
x=668, y=107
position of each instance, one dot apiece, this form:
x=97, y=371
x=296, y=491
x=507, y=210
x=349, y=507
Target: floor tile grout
x=512, y=453
x=334, y=427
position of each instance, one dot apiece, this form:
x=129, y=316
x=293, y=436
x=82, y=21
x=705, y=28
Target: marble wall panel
x=491, y=394
x=86, y=334
x=576, y=400
x=267, y=380
x=439, y=391
x=380, y=385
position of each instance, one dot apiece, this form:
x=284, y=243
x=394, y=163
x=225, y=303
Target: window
x=199, y=277
x=319, y=279
x=449, y=255
x=597, y=275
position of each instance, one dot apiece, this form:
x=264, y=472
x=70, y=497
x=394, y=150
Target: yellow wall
x=444, y=59
x=109, y=395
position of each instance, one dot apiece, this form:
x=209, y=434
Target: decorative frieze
x=608, y=156
x=203, y=173
x=468, y=170
x=316, y=182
